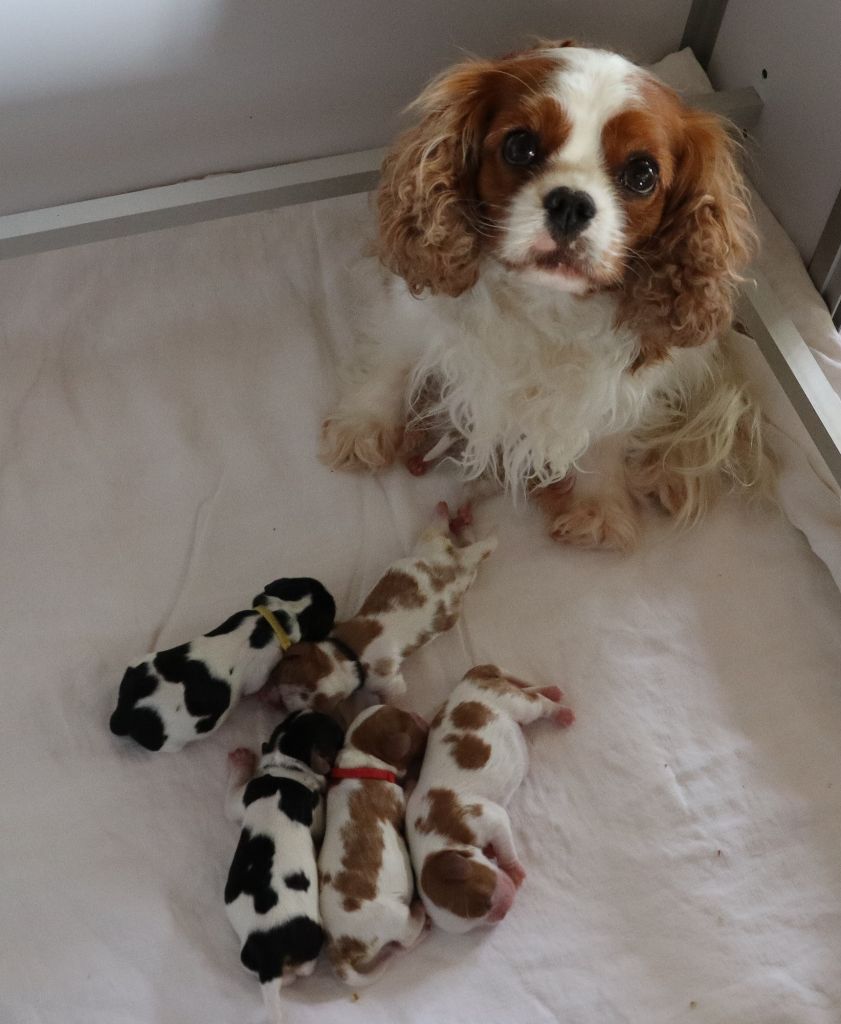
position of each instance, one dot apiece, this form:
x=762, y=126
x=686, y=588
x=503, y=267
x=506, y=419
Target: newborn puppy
x=272, y=891
x=367, y=887
x=418, y=598
x=172, y=697
x=459, y=833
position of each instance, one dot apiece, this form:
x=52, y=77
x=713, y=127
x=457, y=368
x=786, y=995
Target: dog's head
x=307, y=736
x=464, y=889
x=579, y=170
x=304, y=599
x=310, y=675
x=388, y=734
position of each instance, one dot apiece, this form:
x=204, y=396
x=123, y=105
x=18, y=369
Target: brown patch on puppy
x=468, y=750
x=483, y=672
x=439, y=717
x=396, y=589
x=440, y=576
x=489, y=677
x=370, y=806
x=471, y=714
x=422, y=638
x=447, y=816
x=357, y=633
x=344, y=952
x=390, y=735
x=455, y=882
x=304, y=665
x=445, y=618
x=384, y=666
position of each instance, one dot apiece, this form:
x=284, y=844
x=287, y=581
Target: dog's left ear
x=326, y=749
x=684, y=286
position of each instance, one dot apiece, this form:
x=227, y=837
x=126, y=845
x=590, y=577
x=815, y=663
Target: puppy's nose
x=568, y=212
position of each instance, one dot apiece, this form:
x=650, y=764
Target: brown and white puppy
x=367, y=888
x=418, y=598
x=459, y=833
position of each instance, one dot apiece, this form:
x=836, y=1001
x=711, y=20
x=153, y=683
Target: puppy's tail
x=358, y=969
x=271, y=999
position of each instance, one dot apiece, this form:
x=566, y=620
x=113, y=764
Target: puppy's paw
x=271, y=696
x=242, y=762
x=358, y=443
x=515, y=871
x=553, y=693
x=563, y=717
x=597, y=523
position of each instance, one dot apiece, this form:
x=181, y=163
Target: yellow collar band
x=283, y=639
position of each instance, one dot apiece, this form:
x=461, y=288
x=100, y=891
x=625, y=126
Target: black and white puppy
x=272, y=891
x=173, y=697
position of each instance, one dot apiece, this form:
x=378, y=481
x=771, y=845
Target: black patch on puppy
x=205, y=696
x=138, y=682
x=262, y=634
x=297, y=941
x=251, y=872
x=144, y=725
x=307, y=736
x=297, y=880
x=294, y=798
x=316, y=621
x=231, y=623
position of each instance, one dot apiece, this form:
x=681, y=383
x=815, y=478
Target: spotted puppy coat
x=271, y=894
x=173, y=697
x=367, y=888
x=458, y=829
x=418, y=598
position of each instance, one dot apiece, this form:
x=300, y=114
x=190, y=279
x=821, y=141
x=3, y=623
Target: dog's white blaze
x=591, y=88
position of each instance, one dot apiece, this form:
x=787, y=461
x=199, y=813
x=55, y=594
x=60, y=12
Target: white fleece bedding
x=159, y=403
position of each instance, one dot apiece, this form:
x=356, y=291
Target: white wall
x=796, y=147
x=108, y=96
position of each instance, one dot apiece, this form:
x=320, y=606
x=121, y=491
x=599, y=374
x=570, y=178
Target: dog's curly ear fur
x=682, y=288
x=425, y=196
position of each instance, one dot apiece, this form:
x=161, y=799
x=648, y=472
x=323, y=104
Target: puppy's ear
x=326, y=749
x=453, y=866
x=396, y=748
x=302, y=666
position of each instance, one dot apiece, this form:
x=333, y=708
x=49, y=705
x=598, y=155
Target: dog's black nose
x=568, y=212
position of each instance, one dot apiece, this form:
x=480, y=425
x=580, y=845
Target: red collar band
x=337, y=774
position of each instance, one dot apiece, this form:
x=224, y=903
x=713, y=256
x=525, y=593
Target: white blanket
x=159, y=403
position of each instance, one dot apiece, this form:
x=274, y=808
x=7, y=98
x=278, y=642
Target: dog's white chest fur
x=529, y=376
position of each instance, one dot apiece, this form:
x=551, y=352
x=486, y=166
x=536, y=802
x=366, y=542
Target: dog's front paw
x=358, y=443
x=596, y=523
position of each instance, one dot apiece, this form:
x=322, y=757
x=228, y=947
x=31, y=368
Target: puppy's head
x=310, y=675
x=307, y=736
x=464, y=889
x=307, y=600
x=577, y=169
x=395, y=737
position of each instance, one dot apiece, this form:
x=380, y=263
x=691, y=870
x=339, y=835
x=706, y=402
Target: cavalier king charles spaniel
x=578, y=235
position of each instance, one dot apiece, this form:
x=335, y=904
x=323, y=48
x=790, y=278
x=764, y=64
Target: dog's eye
x=640, y=175
x=520, y=148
